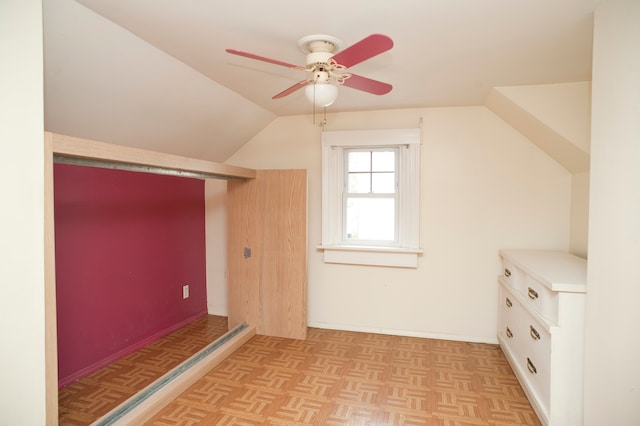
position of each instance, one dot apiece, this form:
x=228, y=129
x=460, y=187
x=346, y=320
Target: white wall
x=557, y=118
x=484, y=187
x=22, y=310
x=579, y=244
x=612, y=367
x=216, y=249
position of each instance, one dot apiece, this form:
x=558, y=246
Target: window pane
x=383, y=161
x=359, y=161
x=359, y=183
x=370, y=219
x=383, y=183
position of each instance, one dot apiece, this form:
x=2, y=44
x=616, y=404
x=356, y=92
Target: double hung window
x=371, y=197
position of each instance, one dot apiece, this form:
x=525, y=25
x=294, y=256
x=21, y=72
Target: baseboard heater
x=143, y=405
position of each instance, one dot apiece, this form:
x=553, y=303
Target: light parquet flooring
x=349, y=378
x=88, y=399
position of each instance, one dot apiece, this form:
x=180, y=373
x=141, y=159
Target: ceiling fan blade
x=367, y=85
x=366, y=48
x=290, y=90
x=264, y=59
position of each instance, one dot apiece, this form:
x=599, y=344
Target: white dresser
x=541, y=329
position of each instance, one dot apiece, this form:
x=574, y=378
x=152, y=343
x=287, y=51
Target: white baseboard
x=409, y=333
x=220, y=311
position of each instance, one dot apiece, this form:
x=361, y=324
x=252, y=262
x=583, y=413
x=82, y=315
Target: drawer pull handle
x=531, y=367
x=508, y=302
x=509, y=333
x=534, y=333
x=532, y=294
x=507, y=272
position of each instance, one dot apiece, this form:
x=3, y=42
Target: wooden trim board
x=93, y=150
x=50, y=336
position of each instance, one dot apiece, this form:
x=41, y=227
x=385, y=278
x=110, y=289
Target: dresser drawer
x=541, y=299
x=513, y=275
x=536, y=358
x=538, y=377
x=509, y=318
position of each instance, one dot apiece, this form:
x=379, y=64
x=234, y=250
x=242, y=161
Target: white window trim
x=406, y=252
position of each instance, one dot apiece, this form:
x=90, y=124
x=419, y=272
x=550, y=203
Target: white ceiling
x=155, y=74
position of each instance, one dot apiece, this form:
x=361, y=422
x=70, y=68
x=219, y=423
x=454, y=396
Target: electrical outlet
x=185, y=291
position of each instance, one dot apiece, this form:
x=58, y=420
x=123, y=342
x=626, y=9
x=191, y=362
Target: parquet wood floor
x=349, y=378
x=88, y=399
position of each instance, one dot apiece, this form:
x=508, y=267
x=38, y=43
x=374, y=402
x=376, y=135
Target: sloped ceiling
x=155, y=74
x=555, y=117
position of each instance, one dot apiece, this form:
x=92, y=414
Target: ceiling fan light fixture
x=321, y=94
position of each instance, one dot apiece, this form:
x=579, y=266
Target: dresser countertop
x=559, y=271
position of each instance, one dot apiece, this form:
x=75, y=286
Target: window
x=371, y=197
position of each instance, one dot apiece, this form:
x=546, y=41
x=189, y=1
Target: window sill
x=375, y=256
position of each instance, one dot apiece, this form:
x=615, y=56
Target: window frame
x=336, y=250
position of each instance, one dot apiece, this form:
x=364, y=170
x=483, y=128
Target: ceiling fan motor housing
x=318, y=58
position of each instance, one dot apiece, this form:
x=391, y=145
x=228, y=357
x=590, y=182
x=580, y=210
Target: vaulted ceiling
x=155, y=74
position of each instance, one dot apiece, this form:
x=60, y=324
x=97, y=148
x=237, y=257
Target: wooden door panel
x=242, y=272
x=268, y=289
x=284, y=259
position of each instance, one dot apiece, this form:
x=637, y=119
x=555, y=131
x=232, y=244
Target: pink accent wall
x=126, y=243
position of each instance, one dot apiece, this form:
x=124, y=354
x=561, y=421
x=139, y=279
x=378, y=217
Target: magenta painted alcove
x=126, y=243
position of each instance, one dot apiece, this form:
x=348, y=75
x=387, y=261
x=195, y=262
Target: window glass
x=359, y=183
x=359, y=161
x=383, y=183
x=383, y=161
x=370, y=200
x=361, y=224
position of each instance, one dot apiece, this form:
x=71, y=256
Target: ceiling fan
x=328, y=66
